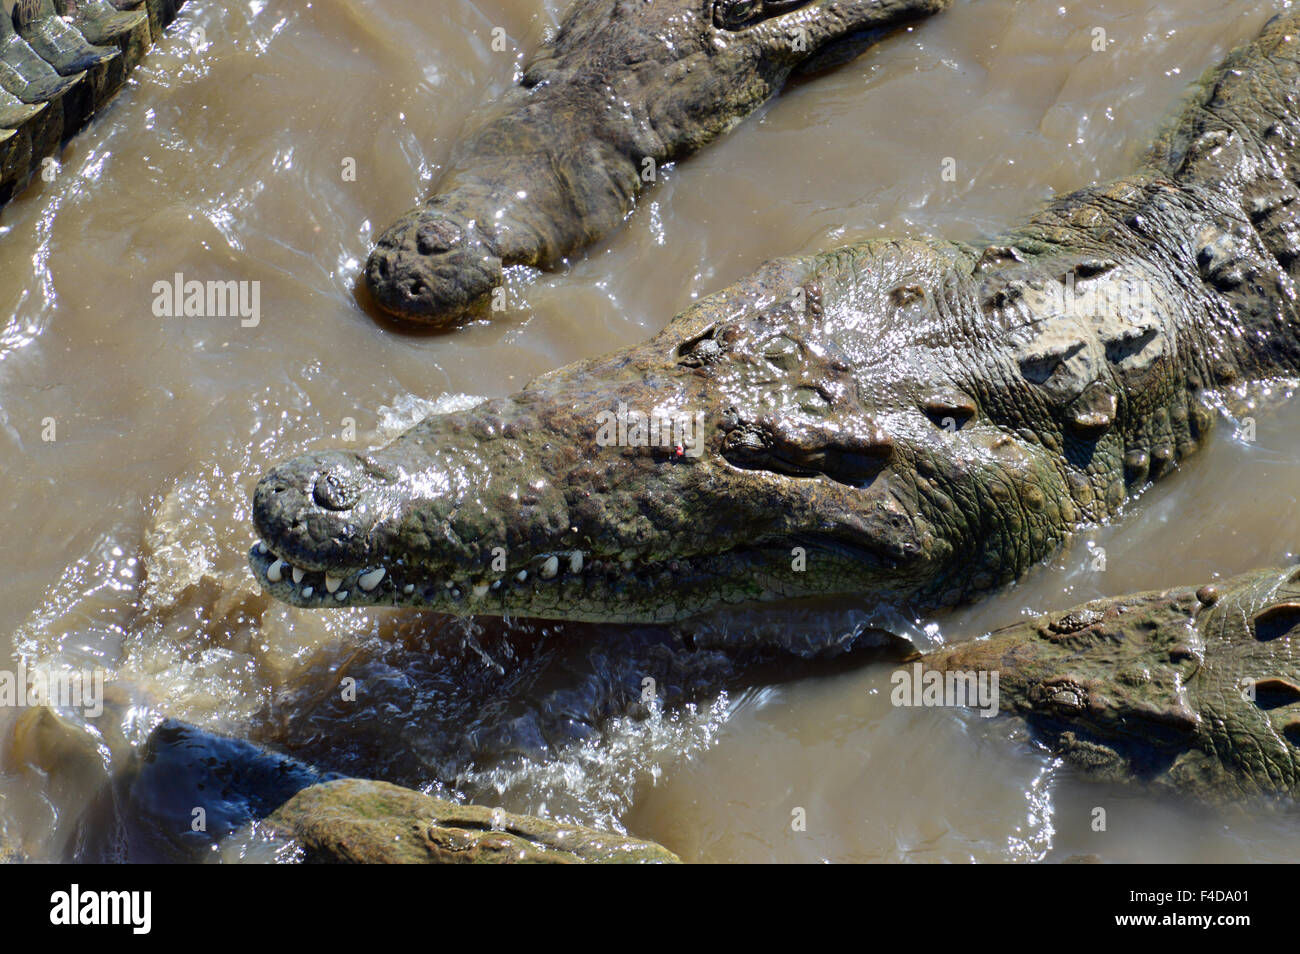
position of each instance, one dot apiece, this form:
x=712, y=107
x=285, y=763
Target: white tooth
x=496, y=584
x=259, y=548
x=368, y=581
x=341, y=595
x=575, y=561
x=521, y=575
x=450, y=585
x=298, y=574
x=480, y=589
x=455, y=593
x=273, y=571
x=332, y=583
x=550, y=567
x=408, y=589
x=307, y=591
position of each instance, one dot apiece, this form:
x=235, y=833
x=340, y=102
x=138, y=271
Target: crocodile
x=61, y=61
x=914, y=421
x=146, y=811
x=1193, y=690
x=624, y=87
x=127, y=785
x=355, y=821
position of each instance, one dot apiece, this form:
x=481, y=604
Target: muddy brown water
x=126, y=533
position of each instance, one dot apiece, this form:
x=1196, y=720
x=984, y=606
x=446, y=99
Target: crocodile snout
x=314, y=508
x=338, y=487
x=431, y=268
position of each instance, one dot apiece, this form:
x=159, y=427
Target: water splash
x=595, y=782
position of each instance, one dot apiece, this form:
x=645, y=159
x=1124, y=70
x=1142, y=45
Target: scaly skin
x=921, y=421
x=563, y=157
x=56, y=109
x=354, y=821
x=1196, y=691
x=145, y=813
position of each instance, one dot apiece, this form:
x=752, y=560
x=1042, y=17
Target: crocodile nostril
x=336, y=491
x=437, y=235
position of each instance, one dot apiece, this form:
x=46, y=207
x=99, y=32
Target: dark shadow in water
x=427, y=700
x=435, y=698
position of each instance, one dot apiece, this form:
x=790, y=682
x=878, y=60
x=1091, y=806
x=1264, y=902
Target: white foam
x=407, y=410
x=593, y=782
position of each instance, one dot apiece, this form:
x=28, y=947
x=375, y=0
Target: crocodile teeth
x=496, y=584
x=273, y=571
x=259, y=548
x=521, y=575
x=298, y=574
x=341, y=595
x=307, y=591
x=480, y=590
x=368, y=581
x=550, y=567
x=332, y=583
x=408, y=589
x=575, y=561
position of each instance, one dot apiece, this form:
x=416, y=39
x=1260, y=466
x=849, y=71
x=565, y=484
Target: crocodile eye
x=949, y=412
x=1061, y=696
x=783, y=352
x=745, y=445
x=734, y=14
x=1067, y=699
x=847, y=458
x=702, y=349
x=707, y=350
x=753, y=448
x=811, y=400
x=438, y=235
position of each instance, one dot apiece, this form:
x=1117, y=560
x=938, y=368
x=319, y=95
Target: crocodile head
x=839, y=424
x=624, y=85
x=1105, y=684
x=1194, y=689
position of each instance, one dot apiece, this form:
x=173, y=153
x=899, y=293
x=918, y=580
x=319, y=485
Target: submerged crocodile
x=355, y=821
x=1195, y=690
x=624, y=87
x=145, y=811
x=916, y=420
